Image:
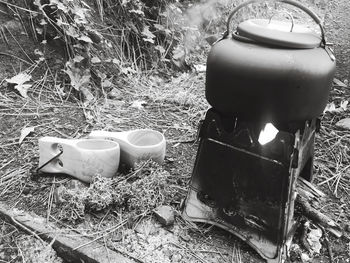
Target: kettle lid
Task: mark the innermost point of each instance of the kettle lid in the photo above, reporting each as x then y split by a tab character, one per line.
279	33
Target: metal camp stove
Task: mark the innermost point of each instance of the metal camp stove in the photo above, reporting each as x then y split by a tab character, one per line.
247	188
265	73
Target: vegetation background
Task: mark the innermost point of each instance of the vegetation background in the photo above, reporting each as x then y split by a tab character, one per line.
70	66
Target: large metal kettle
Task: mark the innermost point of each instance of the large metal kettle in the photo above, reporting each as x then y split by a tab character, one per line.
270	70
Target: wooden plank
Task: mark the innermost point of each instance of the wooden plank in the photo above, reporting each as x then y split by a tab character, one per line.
65	245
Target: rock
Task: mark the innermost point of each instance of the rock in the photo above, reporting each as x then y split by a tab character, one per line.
165	215
344	123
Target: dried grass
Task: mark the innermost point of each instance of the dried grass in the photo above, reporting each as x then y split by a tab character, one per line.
332	155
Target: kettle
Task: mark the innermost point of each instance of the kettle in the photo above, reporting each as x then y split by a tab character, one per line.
270	70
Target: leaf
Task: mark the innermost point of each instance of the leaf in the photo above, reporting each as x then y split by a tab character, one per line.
71	31
59	5
344	123
148	35
106	83
200	68
23	89
24	133
344	104
159	27
85	39
19	78
19	81
38	52
139	12
78	58
60	22
332	108
116	61
138	104
339	83
160	49
95	60
78	78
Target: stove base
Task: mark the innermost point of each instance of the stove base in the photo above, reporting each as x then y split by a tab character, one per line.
246	188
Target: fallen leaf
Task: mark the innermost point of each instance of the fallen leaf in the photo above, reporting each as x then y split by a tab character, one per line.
148	35
139	12
200	68
106	83
160	49
344	123
339	83
23	89
138	104
85	39
332	108
24	133
344	104
19	81
116	61
19	78
95	60
78	58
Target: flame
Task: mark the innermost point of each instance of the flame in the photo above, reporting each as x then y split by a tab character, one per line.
267	134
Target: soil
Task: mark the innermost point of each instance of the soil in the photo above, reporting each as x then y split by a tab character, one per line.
175	113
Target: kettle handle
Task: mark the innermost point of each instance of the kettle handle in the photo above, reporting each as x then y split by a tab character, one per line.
290	2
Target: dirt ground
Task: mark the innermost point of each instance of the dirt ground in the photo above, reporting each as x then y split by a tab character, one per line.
174	113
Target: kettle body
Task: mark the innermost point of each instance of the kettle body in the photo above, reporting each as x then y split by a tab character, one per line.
253	80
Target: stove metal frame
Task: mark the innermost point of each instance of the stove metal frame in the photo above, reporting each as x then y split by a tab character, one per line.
246	188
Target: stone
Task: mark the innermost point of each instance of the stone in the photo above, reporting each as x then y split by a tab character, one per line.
165	215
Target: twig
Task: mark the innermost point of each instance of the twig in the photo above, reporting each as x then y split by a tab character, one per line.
10	55
18	7
116	227
2	167
19	45
190	250
50	200
26	229
318	218
328	244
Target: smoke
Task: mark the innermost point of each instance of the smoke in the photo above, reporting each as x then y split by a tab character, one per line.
204	18
193	23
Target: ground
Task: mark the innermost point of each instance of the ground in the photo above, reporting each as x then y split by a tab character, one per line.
173	106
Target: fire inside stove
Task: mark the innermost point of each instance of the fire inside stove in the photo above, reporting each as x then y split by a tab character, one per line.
244	179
